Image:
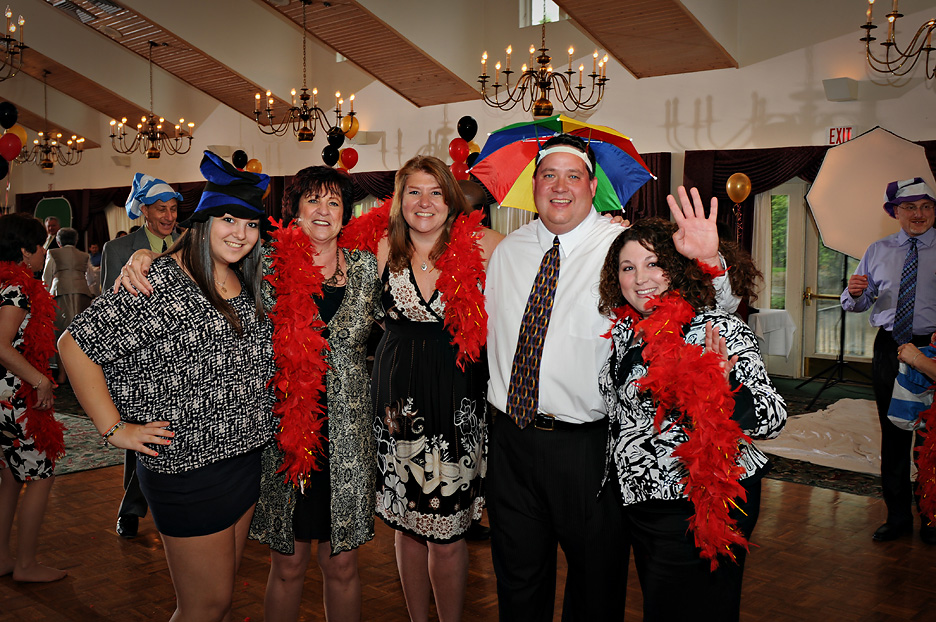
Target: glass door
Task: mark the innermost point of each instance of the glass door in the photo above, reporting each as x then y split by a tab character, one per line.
779	254
827	273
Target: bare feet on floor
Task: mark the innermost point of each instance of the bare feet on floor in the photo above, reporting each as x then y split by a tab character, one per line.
37	573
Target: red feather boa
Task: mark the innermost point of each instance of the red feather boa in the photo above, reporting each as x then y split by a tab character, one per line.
461	263
299	351
365	232
38	347
926	464
926	460
685	380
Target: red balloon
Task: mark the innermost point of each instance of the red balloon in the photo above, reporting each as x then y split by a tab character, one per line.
349	157
10	146
460	170
459	149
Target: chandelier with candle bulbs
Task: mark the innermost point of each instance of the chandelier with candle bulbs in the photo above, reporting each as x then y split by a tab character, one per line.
532	87
150	137
47	150
896	61
303	119
11	48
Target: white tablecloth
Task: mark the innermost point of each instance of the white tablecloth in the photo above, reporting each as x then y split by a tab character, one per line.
774	329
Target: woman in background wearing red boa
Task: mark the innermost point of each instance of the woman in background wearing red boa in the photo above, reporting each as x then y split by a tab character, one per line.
686	390
30	437
429	383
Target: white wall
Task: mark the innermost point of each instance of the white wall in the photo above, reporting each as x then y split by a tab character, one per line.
774	99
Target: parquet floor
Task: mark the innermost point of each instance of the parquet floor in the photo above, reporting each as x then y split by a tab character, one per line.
814	560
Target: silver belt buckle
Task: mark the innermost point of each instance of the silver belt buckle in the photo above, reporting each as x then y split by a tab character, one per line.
543	421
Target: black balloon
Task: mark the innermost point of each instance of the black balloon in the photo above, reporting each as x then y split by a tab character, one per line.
335	137
8	115
4	168
239	159
467	128
471	159
330	155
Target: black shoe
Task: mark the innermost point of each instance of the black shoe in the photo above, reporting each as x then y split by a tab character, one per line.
477	532
127	526
889	531
928	534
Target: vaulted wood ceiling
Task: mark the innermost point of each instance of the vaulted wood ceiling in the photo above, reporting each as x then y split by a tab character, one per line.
648	37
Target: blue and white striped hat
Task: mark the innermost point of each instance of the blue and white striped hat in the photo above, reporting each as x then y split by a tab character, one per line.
147	190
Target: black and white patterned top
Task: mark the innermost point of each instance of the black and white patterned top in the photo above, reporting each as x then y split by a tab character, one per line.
173	357
13	295
643	457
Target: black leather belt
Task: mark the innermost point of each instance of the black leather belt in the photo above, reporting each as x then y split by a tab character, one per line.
543	421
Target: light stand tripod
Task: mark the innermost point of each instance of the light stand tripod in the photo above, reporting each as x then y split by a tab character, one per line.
836	371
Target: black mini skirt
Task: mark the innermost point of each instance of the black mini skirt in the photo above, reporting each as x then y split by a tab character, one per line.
205	500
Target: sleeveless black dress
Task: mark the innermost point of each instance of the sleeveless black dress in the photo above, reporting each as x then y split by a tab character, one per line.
430	419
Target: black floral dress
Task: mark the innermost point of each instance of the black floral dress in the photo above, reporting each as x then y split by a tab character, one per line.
429	421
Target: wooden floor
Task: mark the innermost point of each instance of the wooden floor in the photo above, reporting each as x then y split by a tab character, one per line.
814	561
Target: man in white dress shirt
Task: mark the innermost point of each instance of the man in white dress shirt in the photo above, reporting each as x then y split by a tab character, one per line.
544	481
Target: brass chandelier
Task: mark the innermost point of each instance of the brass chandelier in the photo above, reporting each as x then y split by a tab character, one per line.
150	138
302	119
533	85
47	150
896	61
11	49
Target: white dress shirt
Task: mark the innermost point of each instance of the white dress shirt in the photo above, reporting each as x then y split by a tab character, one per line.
573	349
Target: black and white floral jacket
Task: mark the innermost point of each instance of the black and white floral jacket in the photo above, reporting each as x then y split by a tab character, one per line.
642	456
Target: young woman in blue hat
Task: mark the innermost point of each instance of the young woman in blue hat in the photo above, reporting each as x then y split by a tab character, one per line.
181	378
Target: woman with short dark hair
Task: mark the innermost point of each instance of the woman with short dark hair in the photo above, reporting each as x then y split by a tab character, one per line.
318	480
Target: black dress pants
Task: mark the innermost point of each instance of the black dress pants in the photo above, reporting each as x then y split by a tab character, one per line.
677	583
896	444
544	490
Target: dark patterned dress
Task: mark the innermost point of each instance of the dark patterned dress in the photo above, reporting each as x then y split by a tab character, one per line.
18	449
430	419
349	474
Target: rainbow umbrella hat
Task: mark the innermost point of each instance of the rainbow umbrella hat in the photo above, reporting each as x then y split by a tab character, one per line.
505	164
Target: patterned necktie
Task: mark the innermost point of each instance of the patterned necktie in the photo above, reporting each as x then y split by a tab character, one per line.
523	392
903	321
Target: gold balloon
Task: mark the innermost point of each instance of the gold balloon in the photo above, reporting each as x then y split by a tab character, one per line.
474	147
20	131
350	126
266	192
738	187
254	166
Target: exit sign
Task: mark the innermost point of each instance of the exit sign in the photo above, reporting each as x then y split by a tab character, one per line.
839	135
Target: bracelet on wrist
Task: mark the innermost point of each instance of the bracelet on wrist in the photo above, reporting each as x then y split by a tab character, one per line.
106	436
38	384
